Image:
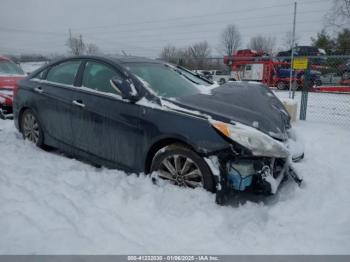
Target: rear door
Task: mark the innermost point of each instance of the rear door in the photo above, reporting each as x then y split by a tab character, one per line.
54	99
104	124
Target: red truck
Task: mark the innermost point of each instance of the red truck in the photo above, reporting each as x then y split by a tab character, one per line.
10	73
250	65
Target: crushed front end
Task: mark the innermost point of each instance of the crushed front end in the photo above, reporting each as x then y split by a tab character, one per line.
255	162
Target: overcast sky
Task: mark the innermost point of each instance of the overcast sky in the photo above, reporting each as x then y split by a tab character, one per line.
143	27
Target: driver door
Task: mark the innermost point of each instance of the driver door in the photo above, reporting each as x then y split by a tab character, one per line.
103	124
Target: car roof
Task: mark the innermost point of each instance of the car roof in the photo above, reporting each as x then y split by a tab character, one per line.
119	59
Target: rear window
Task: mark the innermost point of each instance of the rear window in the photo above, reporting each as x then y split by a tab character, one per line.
10	68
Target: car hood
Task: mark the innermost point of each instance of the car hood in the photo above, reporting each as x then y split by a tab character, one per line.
251	104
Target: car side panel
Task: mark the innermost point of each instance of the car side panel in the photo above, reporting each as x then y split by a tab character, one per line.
107	127
52	106
197	132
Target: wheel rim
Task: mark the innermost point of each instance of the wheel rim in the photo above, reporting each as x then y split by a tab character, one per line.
181	170
280	86
31	128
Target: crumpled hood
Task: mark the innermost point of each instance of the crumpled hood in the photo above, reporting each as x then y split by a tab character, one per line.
252	104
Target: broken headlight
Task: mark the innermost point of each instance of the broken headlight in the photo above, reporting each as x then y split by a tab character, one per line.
257	142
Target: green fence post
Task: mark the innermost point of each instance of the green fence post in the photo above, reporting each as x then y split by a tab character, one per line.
304	94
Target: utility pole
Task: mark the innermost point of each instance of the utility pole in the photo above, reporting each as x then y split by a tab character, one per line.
292	53
70	35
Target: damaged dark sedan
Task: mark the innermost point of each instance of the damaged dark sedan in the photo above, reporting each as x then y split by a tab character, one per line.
140	115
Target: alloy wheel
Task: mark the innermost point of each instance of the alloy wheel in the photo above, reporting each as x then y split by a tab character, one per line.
181	170
30	128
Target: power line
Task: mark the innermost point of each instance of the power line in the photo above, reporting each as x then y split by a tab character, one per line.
196	16
195	31
183	17
251	19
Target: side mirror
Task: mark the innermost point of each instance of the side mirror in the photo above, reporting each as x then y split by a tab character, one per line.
126	88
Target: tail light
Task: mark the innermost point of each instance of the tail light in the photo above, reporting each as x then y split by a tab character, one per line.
8	101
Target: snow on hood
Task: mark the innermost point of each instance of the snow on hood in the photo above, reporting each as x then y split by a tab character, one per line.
254	106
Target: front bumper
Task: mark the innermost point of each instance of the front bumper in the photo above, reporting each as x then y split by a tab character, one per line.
6	101
6	111
258	175
295	145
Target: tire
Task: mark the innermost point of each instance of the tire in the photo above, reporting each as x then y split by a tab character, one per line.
346	75
190	171
318	82
281	86
222	81
31	129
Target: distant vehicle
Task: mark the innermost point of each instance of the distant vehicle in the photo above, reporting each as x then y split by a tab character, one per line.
139	115
219	76
344	69
10	73
318	61
303	51
249	72
207	74
197	79
249	65
331	78
283	75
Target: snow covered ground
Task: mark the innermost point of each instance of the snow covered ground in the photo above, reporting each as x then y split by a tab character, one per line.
51	204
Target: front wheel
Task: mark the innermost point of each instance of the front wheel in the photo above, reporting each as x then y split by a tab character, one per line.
31	129
222	81
182	167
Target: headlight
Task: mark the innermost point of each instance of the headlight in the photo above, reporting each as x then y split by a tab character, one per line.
259	143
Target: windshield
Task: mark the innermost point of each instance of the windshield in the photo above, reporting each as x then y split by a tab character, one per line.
163	80
192	77
10	68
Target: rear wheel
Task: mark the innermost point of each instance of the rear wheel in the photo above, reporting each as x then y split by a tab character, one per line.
182	167
281	86
31	129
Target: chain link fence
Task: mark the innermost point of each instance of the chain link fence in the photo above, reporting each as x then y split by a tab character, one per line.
325	88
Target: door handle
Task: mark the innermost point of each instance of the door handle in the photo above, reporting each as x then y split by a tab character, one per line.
78	103
38	89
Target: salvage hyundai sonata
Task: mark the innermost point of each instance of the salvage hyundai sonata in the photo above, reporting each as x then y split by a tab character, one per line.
140	115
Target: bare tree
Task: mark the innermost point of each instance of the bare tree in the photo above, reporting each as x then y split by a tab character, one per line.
169	53
287	40
230	40
262	43
198	54
339	15
92	49
76	45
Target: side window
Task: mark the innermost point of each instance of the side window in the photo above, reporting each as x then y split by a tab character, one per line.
64	73
97	76
40	75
